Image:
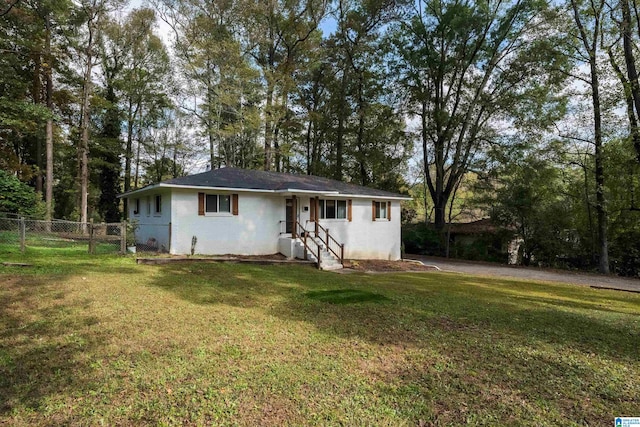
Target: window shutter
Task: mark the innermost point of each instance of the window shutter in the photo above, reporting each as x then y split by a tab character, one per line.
349	211
389	211
312	210
234	204
373	210
201	204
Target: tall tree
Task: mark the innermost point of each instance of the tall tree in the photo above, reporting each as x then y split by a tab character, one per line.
588	19
626	22
136	70
467	68
91	13
218	85
278	32
22	41
357	41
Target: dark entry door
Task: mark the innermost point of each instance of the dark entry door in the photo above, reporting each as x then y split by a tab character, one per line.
289	216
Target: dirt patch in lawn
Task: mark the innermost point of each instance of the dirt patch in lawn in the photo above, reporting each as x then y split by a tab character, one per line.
382	265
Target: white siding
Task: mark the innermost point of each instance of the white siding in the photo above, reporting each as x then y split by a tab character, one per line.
152	226
254	231
364	238
256	228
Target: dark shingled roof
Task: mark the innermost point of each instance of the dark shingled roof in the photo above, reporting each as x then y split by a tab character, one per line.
274	181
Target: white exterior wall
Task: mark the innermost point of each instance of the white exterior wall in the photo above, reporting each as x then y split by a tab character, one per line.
364	238
152	225
254	231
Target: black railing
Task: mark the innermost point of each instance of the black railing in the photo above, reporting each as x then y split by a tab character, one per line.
308	241
331	243
307	236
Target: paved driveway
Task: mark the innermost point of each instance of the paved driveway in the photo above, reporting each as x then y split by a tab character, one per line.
532	273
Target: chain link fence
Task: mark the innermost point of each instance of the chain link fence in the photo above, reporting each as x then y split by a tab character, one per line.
148	238
21	233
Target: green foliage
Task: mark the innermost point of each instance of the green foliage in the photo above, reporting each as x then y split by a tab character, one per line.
16	197
421	238
464	68
530	197
623	191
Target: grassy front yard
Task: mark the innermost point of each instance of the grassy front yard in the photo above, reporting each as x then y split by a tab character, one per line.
101	340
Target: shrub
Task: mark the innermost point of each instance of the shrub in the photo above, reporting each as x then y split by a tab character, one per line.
420	238
18	198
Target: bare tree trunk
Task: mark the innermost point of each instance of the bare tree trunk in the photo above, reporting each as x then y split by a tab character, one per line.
591	45
632	74
451	200
84	141
268	127
364	178
49	132
308	144
36	90
128	153
337	174
137	173
599	161
425	158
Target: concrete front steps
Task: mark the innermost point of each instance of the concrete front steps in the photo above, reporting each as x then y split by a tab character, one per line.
328	260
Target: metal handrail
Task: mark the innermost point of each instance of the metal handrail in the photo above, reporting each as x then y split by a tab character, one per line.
301	232
326	242
304	236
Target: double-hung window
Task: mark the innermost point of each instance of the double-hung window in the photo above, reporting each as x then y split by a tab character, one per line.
136	206
218	203
381	210
158	204
210	204
333	209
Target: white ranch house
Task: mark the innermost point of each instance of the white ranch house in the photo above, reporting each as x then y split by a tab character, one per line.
249	212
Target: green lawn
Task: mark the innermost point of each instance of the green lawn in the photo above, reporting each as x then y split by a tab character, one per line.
92	340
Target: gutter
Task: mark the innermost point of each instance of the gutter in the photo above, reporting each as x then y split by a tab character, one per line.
254	190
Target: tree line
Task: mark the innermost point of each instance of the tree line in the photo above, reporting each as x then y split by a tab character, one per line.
536	102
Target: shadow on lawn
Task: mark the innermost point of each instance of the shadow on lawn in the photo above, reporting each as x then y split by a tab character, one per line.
43	344
412	308
345	296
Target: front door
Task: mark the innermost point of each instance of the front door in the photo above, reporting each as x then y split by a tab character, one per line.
289	216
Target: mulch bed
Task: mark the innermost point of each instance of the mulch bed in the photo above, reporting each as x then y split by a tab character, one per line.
241	259
381	265
355	265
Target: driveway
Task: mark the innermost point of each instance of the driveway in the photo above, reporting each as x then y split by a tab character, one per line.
530	273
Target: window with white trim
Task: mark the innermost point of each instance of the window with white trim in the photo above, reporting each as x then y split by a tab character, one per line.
381	210
136	206
158	204
333	209
218	203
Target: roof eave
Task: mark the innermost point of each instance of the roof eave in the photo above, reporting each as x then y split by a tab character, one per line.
254	190
139	190
380	196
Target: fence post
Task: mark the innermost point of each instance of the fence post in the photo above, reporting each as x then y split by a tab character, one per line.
123	238
23	234
91	242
